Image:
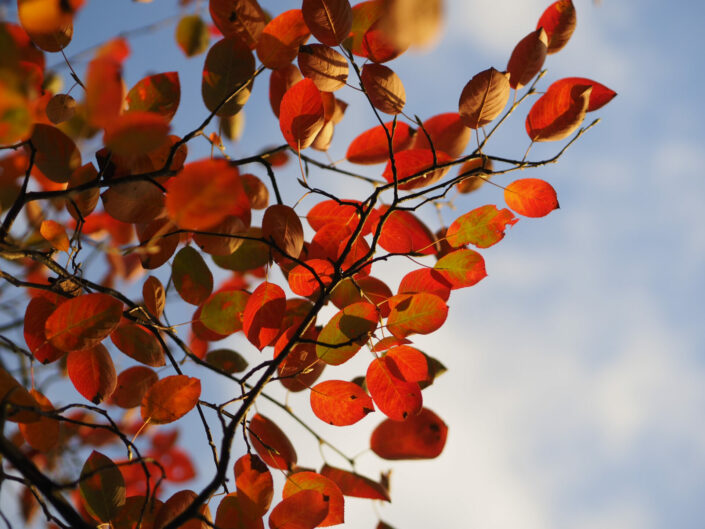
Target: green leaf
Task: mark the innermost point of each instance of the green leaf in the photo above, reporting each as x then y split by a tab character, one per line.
102	487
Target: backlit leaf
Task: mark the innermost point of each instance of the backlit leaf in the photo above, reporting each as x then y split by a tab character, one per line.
227	360
102	487
372	146
479	170
421	436
272	445
368	289
404	233
55	233
413	22
159	93
243	19
384	88
559	21
330	21
331	492
282	226
304	510
599	97
527	58
263	314
92	373
280	81
461	268
170	399
192	35
36	314
425	280
154	296
417	162
251	254
397	398
229	66
327	68
178	503
104	91
531	197
351	327
133	202
158	242
280	40
41	435
223	311
232	514
340	403
407	363
49	23
484	97
447	132
204	193
83	322
132	384
483	227
12	392
420	313
254	485
304	282
379	46
558	112
138	343
57	155
192	278
136	133
301	114
352	484
330	211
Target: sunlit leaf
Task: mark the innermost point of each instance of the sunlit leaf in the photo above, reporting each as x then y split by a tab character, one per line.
83	322
92	373
397	398
192	278
272	445
425	280
136	133
558	112
138	343
282	226
243	19
306	280
527	58
263	314
483	227
170	398
177	504
368	289
404	233
372	146
346	332
340	403
331	493
352	484
407	363
104	91
301	114
36	314
599	96
417	162
384	88
558	20
280	40
421	436
324	66
48	22
479	170
232	513
229	67
420	313
304	510
55	234
254	485
484	97
447	132
132	384
102	487
192	35
159	93
154	296
280	81
461	268
330	21
531	197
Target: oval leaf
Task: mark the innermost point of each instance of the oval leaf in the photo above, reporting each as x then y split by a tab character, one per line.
352	484
170	399
192	278
330	21
261	320
92	373
483	227
272	445
527	58
422	436
398	399
559	21
484	98
227	77
531	197
346	333
384	88
280	40
331	493
420	313
138	343
304	510
559	112
372	146
340	403
301	114
102	487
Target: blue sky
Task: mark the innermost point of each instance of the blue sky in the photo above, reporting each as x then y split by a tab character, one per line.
576	383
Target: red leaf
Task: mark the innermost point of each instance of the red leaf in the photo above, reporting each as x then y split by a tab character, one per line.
484	98
425	280
170	398
527	58
331	493
398	399
133	202
447	132
351	326
340	403
304	510
263	314
243	19
280	40
531	197
364	15
559	21
384	88
38	310
159	93
559	112
254	485
407	363
421	436
92	373
305	283
232	513
301	114
229	65
483	227
404	233
204	193
599	97
330	211
282	226
192	278
83	322
420	313
57	156
41	435
461	268
355	485
329	20
138	343
136	133
272	445
416	163
132	384
372	146
103	91
280	81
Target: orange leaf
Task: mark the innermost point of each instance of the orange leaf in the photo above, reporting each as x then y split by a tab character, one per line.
324	66
272	445
243	19
170	399
138	343
364	15
384	88
379	46
558	113
178	503
331	493
136	133
36	314
280	40
397	398
159	93
330	21
421	436
92	373
404	233
204	193
559	21
425	280
527	58
407	363
479	170
447	132
232	513
48	22
301	114
340	403
352	327
11	392
484	98
483	227
104	91
154	296
83	322
192	278
280	81
372	146
254	485
599	97
55	233
531	197
420	313
329	211
461	268
42	435
263	314
304	283
355	485
304	510
414	168
132	384
229	65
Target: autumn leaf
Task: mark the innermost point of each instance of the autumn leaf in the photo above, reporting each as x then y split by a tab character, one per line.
384	88
170	398
558	20
92	373
271	443
301	114
313	481
483	227
531	197
102	487
484	97
422	436
340	403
